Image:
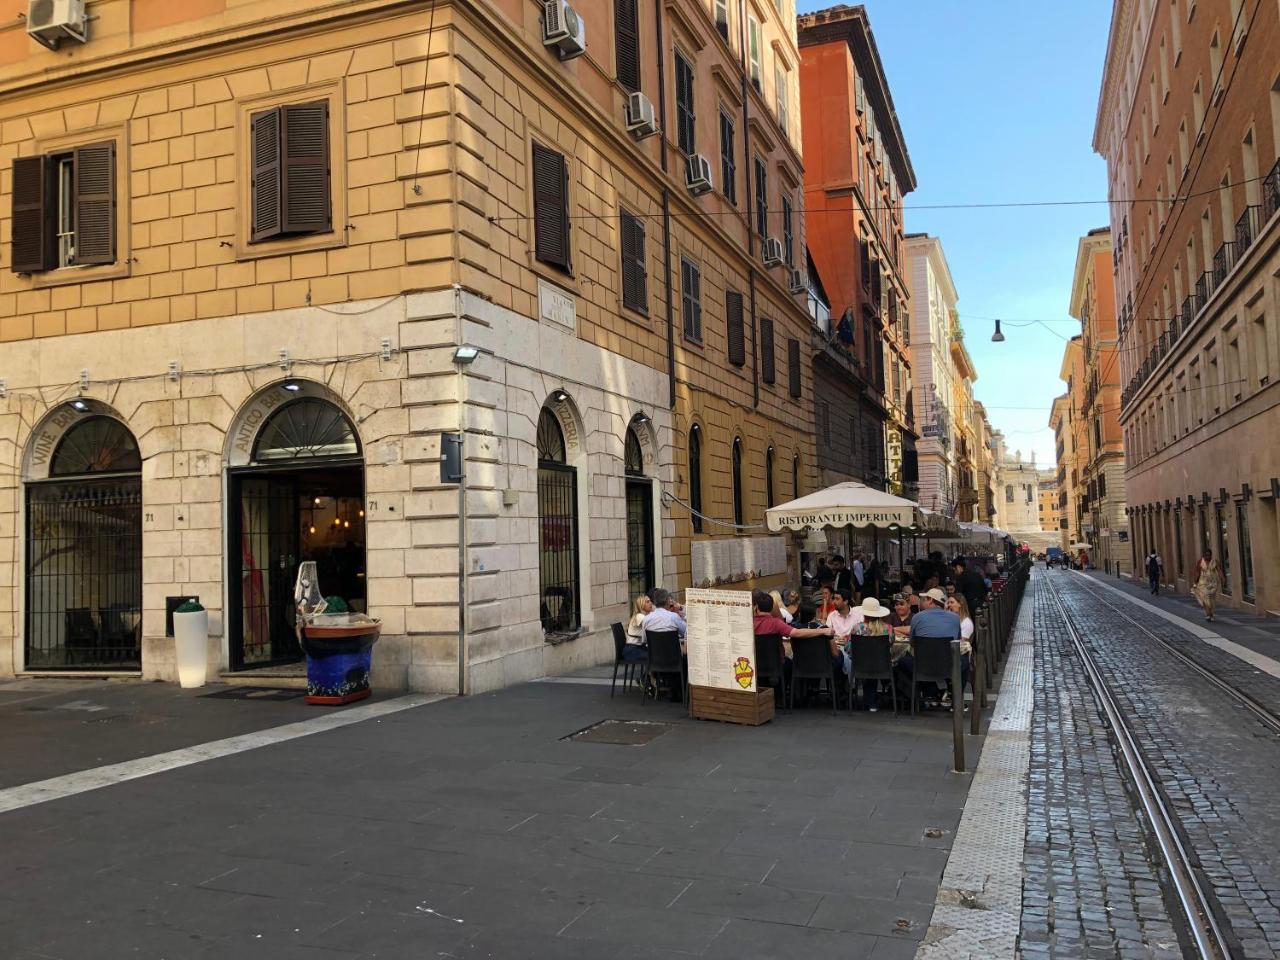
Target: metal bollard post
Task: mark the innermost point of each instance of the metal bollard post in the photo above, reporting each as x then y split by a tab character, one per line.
957	708
976	670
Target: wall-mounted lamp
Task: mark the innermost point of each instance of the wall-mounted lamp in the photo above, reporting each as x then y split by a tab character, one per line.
642	417
559	396
291	387
79	405
465	354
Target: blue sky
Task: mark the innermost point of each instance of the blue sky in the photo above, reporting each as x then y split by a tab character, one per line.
997	102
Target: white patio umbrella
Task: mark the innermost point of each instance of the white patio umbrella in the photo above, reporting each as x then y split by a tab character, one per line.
842	505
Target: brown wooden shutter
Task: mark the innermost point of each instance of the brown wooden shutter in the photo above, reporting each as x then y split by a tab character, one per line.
626	25
550	207
264	186
793	366
737	335
305	154
767	364
32	233
635	291
95	219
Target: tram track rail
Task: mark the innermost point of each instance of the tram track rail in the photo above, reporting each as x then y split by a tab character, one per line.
1191	890
1265	716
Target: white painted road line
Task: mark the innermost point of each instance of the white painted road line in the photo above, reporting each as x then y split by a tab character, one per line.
68	785
1199	631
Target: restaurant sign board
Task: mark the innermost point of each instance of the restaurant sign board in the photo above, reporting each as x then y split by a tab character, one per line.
721	639
841	517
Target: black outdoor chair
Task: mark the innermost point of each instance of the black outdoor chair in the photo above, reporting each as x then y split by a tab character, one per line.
628	666
119	632
931	663
872	659
771	667
665	659
81	643
811	660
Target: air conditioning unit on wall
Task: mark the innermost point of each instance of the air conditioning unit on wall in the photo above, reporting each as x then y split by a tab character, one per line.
563	29
771	251
641	121
697	174
49	22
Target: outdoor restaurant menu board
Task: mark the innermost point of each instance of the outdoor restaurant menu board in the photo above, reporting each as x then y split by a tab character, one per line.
721	639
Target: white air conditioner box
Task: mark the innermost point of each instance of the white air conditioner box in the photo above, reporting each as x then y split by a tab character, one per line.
697	174
641	121
563	29
49	22
771	251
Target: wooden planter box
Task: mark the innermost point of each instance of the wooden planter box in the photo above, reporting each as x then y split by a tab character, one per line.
731	706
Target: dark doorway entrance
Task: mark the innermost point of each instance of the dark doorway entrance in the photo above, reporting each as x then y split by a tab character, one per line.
301	499
84	553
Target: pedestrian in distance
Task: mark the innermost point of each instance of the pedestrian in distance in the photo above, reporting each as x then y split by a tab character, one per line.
1155	569
1208	583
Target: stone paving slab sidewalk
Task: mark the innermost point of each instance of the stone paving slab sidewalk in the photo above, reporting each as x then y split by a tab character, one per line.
472	828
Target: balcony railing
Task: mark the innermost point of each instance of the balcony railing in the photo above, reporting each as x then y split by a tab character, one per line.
1248	228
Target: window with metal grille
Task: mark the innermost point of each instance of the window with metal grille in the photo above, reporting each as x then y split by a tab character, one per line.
793	366
788	237
626	29
728	162
691	299
762	198
695	476
738	507
64	209
551	207
289	180
686	118
557	529
767	365
635	284
735	328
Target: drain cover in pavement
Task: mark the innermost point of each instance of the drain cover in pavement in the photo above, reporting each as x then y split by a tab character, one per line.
627	733
256	693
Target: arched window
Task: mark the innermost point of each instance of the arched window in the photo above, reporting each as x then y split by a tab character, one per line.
309	428
768	477
84	552
559	607
96	445
737	481
640	532
695	476
1008	493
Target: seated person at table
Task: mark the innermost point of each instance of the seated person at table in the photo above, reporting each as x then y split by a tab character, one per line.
899	618
933	620
766	622
960	607
806	616
667	614
793	605
913	601
779	607
636	647
874	624
842	620
827	601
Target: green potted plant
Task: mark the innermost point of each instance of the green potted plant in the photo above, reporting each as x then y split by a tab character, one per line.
339	649
191	643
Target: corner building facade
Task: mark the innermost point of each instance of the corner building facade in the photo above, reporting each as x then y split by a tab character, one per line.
1189	115
245	254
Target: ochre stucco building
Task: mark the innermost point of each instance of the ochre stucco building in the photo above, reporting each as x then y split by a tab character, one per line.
248	241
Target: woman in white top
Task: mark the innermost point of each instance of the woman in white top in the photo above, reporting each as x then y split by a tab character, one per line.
640	609
957	605
779	607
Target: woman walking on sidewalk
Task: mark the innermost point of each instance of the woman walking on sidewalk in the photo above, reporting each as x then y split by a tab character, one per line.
1208	583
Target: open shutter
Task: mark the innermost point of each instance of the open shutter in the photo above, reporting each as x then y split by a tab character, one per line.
305	154
635	293
767	364
264	186
95	221
32	235
550	207
737	336
626	24
793	366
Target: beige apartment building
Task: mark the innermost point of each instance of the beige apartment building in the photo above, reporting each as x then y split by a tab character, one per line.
268	262
1189	115
1095	392
1050	518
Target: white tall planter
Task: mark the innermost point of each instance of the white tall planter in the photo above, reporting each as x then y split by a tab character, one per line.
191	638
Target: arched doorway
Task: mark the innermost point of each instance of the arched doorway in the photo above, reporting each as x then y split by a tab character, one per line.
84	544
558	587
640	535
296	492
